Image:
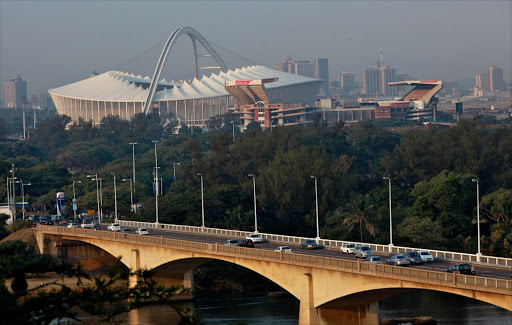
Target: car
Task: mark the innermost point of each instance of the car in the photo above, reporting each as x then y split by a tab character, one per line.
255	238
114	227
231	242
63	222
142	231
73	224
87	225
399	260
348	248
246	243
373	259
50	222
284	249
462	268
310	244
126	230
426	256
413	257
96	227
362	251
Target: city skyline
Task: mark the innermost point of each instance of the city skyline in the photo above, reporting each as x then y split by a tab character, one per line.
54	43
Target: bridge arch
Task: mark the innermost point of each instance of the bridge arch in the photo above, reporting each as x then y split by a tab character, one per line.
195	37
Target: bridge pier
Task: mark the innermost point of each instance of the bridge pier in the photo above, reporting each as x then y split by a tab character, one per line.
364	314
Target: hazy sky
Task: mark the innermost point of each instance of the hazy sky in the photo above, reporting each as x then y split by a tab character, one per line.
52	43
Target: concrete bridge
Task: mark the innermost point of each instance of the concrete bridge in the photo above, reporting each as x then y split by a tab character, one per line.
330	290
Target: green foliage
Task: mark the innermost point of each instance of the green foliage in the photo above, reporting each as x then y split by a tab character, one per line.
20	224
105	298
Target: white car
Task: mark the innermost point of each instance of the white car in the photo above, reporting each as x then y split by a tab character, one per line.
142	231
348	248
284	249
88	225
255	238
426	256
73	224
114	227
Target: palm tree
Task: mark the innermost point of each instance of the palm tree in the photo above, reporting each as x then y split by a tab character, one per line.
360	212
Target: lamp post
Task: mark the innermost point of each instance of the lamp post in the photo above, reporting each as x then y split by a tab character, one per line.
202	200
233	131
478	215
174	167
115	197
133	160
74	198
255	214
131	192
156	179
390	215
23	194
316	199
13	194
95	178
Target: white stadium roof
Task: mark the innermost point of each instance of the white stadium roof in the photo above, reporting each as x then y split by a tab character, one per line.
122	86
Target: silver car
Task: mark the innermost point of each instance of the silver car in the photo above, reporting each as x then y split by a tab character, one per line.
426	256
348	248
399	260
374	259
231	242
284	249
363	251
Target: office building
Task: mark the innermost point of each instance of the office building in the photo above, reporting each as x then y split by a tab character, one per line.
482	81
15	92
496	81
299	67
322	72
377	77
348	82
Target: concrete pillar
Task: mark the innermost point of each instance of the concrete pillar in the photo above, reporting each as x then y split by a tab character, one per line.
307	312
134	266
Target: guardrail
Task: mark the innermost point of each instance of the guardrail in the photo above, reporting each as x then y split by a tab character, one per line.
381	270
455	256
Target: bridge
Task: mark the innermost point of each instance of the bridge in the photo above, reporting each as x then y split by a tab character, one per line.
331	290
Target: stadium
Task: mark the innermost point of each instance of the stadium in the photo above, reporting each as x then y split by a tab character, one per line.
194	101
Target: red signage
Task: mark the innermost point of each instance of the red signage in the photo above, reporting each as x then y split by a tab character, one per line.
406	104
429	81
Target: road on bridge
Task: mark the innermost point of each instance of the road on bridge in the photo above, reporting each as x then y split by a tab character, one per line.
441	266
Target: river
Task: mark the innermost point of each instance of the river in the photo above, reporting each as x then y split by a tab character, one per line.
260	310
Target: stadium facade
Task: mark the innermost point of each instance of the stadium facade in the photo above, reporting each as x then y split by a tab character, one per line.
192	102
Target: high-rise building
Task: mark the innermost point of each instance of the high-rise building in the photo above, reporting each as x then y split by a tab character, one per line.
496	81
348	82
322	72
299	67
15	91
377	77
482	81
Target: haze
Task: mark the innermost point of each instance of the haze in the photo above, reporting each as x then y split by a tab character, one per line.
51	44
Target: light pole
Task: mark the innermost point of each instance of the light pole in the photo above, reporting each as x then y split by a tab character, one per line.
115	197
478	215
131	191
390	216
97	193
23	194
13	194
156	177
316	196
174	167
74	198
233	131
133	160
255	215
202	200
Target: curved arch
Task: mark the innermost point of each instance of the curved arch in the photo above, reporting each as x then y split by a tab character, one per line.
194	36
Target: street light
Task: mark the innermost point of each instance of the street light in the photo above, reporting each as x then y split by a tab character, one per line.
133	159
478	215
202	200
74	198
390	216
23	194
115	197
95	178
174	167
255	215
156	177
316	196
131	191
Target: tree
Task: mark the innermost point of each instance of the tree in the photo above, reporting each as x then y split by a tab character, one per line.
360	212
105	298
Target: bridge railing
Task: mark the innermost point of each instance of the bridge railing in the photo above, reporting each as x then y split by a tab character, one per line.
455	256
389	271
